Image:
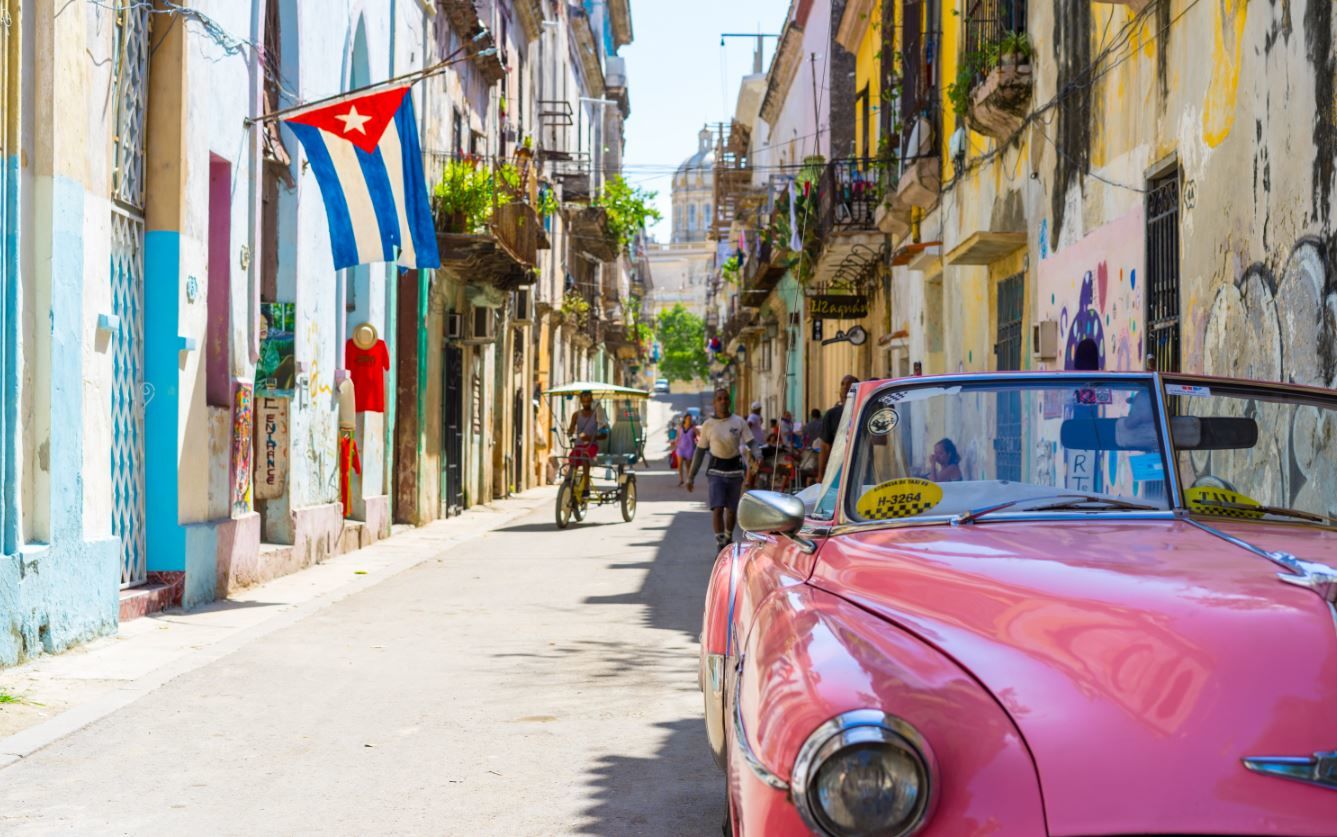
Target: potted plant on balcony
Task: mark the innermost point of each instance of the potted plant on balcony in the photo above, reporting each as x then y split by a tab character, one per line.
729	270
1014	50
467	192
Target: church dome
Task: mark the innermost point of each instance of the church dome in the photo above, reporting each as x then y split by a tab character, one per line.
702	161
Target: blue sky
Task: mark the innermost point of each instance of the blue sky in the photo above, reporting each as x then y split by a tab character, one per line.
679	77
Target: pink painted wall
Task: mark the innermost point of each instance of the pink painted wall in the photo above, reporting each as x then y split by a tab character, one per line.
1094	288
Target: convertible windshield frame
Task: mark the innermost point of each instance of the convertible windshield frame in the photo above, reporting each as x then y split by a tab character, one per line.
1152	382
1239	388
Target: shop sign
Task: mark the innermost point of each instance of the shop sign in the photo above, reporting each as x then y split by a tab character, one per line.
838	307
271	430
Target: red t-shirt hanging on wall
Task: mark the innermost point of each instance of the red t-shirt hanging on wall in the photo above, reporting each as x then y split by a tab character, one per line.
367	369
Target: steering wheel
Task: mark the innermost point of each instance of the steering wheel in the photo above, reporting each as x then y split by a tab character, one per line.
1211	481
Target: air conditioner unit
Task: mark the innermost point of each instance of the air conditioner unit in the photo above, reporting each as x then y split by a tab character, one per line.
524	305
483	325
1044	339
454	326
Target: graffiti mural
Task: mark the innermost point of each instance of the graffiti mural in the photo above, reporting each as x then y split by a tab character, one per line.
1278	326
1091	290
243	427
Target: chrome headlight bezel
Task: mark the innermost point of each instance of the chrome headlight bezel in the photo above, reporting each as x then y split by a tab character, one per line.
855	729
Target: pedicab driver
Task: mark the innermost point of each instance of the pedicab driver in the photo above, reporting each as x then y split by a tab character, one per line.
728	439
588	425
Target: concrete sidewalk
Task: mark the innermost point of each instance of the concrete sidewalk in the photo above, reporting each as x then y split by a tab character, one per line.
63	693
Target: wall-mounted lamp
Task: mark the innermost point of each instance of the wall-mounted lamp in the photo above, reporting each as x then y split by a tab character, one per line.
856	336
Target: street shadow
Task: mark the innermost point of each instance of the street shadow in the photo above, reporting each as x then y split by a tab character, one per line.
224	605
677	791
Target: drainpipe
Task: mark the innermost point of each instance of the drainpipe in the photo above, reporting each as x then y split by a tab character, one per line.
253	189
9	278
423	287
391	340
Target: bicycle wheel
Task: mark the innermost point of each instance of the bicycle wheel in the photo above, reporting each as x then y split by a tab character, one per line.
629	499
580	503
564	504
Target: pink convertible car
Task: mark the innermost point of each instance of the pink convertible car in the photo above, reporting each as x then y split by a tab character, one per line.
1039	604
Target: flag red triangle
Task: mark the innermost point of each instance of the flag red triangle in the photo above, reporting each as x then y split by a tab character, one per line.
359	119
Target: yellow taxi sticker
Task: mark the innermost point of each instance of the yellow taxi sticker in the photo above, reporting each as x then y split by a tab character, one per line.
1221	501
905	497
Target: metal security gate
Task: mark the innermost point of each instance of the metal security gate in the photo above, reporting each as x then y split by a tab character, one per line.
129	390
1163	272
1007	438
453	429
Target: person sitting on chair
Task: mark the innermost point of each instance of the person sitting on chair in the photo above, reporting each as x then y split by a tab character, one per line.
946	462
588	425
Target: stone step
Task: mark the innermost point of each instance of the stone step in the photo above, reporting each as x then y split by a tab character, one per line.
153	597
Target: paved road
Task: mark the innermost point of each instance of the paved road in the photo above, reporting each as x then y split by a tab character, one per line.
529	682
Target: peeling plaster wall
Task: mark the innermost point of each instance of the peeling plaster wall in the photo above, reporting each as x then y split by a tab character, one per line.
58	587
1214	87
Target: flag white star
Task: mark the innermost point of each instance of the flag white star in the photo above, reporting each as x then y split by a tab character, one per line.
353	121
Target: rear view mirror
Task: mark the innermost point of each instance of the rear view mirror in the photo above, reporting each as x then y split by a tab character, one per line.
1213	433
770	513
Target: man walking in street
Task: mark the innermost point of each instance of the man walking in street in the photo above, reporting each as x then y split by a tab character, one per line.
831	423
727	438
757	424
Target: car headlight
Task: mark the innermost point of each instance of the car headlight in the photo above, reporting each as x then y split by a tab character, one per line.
864	773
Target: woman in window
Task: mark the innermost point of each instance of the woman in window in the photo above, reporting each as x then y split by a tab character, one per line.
946	462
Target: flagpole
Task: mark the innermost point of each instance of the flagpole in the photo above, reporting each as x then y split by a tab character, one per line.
416	75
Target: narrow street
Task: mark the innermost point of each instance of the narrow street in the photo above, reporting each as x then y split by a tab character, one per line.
530	681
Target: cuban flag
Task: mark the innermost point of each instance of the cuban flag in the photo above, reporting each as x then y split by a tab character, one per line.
364	152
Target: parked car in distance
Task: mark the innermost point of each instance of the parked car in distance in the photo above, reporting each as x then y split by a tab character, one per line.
1038	603
662	385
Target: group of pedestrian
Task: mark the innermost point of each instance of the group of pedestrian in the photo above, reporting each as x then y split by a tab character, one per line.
736	444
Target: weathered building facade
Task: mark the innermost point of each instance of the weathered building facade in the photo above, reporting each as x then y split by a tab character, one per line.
196	400
1078	184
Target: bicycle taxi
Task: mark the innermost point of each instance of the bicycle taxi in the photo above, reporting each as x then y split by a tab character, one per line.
597	470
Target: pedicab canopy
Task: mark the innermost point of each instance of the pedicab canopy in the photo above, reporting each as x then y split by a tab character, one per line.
597	389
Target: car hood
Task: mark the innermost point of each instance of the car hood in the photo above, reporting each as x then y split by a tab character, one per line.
1141	660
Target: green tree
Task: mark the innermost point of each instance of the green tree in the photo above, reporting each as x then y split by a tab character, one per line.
628	207
682	341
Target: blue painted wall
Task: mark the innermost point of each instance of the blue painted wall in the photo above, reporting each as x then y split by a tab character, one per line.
162	354
9	377
56	595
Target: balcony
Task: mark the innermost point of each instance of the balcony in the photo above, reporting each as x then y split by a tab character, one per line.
764	265
463	18
849	193
734	194
994	82
487	229
590	233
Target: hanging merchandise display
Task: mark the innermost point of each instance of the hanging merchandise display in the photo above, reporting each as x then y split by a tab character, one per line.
349	463
367	359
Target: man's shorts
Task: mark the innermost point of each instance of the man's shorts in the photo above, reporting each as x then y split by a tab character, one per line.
724	492
584	453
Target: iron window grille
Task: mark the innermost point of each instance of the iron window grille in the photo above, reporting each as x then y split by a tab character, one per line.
1163	272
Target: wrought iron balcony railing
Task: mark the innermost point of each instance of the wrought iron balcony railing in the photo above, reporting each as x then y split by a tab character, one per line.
848	196
989	22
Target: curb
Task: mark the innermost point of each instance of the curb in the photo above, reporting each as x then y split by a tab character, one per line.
20	745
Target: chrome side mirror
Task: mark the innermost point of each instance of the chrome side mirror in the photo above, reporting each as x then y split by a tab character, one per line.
770	513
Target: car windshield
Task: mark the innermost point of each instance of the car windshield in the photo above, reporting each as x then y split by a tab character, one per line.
1252	453
1060	444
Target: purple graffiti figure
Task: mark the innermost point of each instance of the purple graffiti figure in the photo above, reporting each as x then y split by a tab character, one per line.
1085	326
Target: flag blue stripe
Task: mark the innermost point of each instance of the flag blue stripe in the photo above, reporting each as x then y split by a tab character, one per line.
416	205
342	242
382	199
